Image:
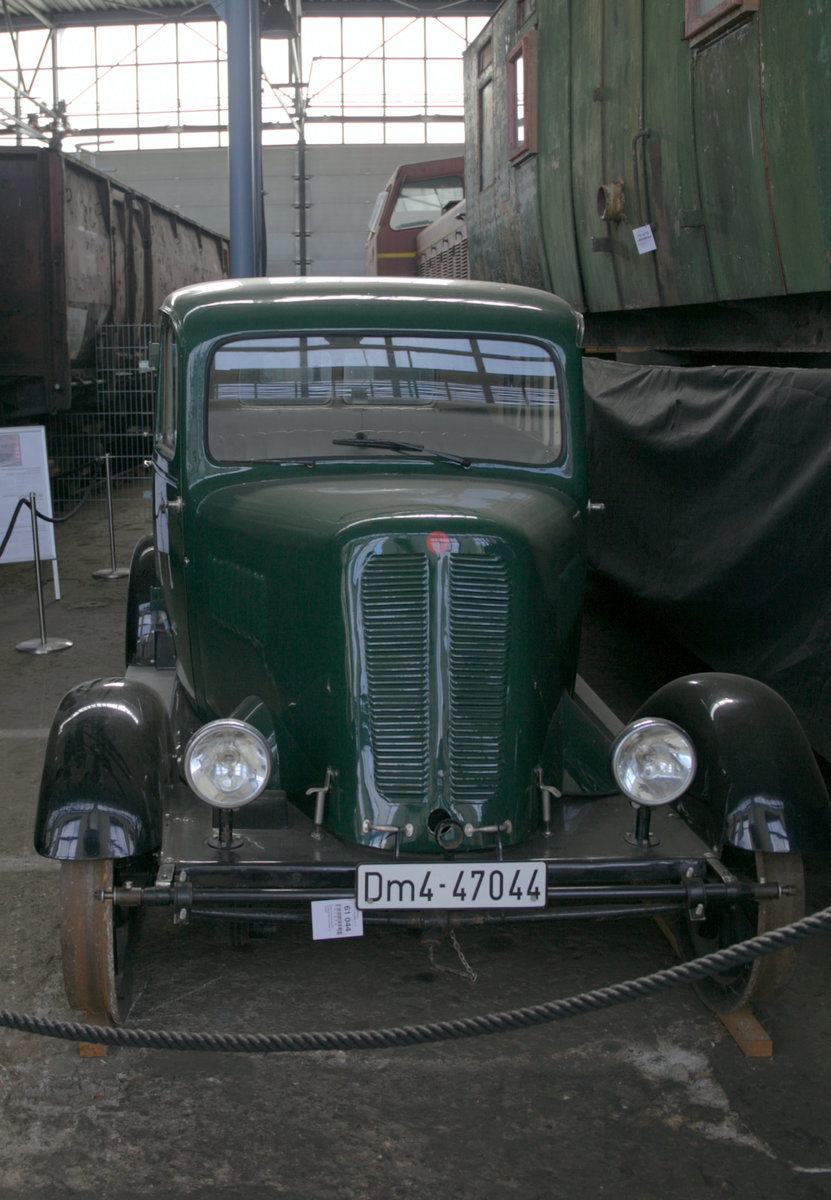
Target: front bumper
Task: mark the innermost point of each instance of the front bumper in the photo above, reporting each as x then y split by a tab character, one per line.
594	868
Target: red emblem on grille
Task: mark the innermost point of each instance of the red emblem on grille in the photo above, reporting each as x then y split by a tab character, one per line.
438	543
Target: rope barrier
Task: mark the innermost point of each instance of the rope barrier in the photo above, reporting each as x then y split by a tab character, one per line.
24	500
94	479
440	1031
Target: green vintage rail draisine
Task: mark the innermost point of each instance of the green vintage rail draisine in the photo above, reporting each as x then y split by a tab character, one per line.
351	648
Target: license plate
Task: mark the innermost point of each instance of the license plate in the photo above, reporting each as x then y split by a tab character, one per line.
450	885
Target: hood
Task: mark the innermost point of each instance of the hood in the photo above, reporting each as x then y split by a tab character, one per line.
385	624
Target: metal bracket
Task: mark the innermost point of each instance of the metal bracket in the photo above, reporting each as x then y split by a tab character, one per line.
642	835
715	863
497	830
320	803
165	875
696	897
182	899
547	790
395	831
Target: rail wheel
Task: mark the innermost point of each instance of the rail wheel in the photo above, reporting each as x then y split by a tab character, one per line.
94	937
766	977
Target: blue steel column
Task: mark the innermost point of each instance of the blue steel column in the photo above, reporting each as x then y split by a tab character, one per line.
244	137
257	146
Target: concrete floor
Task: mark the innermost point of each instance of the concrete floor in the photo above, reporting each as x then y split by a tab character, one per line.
644	1101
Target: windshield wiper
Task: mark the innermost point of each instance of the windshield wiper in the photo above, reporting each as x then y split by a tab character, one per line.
362	439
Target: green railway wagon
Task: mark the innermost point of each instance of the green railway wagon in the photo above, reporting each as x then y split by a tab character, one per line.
664	165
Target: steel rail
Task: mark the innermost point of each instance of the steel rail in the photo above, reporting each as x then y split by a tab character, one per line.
439	1031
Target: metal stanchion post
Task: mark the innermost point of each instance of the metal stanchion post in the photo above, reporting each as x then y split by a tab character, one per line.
114	571
45	645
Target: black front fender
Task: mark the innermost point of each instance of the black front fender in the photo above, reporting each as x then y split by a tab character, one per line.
758	786
143	579
109	770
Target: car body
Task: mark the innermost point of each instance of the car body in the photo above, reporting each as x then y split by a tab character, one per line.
352	645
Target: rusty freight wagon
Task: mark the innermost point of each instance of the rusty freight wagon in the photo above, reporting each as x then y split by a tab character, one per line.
80	250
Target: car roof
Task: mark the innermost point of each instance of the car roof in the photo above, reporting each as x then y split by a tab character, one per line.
208	310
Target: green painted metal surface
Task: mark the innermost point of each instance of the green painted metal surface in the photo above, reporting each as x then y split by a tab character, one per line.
388	663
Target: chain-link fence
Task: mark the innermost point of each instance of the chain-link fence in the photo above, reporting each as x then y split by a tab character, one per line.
116	419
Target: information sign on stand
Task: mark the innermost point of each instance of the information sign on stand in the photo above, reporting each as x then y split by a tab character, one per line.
24	469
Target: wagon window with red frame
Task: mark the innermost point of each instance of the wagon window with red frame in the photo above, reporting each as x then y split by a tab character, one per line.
705	17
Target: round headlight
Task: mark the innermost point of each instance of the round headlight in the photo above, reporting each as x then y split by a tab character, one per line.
227	763
653	761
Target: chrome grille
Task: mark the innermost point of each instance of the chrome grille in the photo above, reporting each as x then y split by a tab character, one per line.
479	645
394	604
436	704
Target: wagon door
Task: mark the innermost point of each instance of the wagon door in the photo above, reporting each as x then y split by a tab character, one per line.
730	139
34	364
610	198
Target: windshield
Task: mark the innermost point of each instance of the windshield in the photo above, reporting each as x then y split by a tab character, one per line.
420	202
300	396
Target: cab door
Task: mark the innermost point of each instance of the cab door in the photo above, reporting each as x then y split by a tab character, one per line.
168	500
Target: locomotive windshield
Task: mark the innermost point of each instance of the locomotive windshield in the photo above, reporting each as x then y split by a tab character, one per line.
421	201
494	399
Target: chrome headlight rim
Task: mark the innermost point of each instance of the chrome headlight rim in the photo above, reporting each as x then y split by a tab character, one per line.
683	751
239	733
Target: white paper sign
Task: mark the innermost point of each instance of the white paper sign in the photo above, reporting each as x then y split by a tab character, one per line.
336	919
644	239
24	469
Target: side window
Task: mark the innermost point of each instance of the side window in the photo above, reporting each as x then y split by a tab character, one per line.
486	135
168	383
522	97
375	219
485	115
706	17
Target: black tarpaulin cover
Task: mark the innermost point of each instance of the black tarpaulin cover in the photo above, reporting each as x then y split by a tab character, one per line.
717	487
